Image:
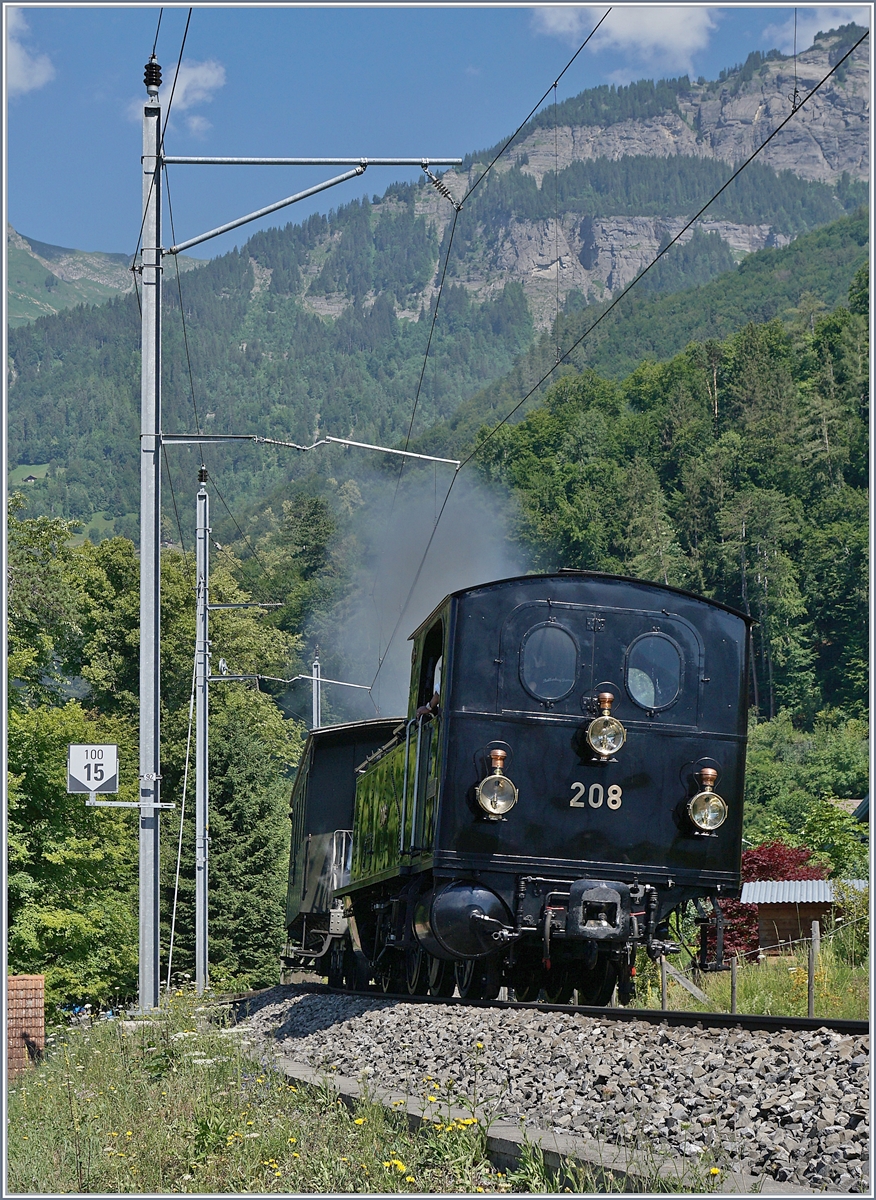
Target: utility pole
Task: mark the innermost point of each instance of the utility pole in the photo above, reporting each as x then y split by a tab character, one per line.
150	544
317	692
151	442
202	683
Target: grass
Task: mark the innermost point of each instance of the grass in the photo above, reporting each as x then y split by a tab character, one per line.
178	1104
777	986
18	474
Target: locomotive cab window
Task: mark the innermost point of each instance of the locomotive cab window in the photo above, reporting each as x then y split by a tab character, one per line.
548	661
431	664
654	671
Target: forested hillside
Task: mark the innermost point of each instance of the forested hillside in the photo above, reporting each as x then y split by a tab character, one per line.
710	433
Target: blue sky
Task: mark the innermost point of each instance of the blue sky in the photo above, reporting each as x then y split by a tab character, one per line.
291	80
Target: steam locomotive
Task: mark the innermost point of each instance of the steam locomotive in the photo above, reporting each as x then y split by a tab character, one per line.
568	777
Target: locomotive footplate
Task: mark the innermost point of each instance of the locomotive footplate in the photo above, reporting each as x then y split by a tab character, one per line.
596	910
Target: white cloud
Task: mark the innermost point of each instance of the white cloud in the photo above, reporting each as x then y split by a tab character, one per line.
25	72
814	20
197	125
662	38
197	84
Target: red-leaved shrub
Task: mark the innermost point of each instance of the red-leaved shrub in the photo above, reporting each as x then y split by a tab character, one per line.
773	860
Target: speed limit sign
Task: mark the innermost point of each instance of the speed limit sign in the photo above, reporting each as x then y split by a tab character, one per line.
92	768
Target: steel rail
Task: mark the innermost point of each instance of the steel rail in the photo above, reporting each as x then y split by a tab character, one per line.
652	1016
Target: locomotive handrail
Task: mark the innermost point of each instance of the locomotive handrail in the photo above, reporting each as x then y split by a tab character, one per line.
416	805
404	812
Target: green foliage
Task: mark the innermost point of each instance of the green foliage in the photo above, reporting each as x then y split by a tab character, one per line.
765	286
790	770
732	469
72	870
72	889
637	185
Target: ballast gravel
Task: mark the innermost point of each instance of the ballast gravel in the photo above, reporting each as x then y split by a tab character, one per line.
793	1106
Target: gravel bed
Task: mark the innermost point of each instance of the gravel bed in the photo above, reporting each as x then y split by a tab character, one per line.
794	1106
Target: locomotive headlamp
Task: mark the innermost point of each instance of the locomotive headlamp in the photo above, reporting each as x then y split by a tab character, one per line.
496	794
706	809
605	735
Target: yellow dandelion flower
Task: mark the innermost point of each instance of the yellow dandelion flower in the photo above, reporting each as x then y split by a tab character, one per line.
359	1120
249	1122
386	1164
432	1099
410	1179
295	1155
345	1160
114	1134
292	1141
129	1133
278	1174
479	1046
291	1088
479	1189
715	1171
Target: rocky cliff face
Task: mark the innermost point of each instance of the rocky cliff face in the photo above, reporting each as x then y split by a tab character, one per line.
728	121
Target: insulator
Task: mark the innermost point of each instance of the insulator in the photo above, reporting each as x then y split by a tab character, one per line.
152	75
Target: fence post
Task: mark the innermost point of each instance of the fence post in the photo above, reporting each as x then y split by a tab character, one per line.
663	984
814	947
734	962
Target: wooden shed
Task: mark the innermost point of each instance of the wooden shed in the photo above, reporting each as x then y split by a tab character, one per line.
786	908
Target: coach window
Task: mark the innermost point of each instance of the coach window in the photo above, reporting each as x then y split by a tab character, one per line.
654	671
430	666
548	662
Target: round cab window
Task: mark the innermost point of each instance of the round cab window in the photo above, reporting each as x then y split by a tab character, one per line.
548	662
654	671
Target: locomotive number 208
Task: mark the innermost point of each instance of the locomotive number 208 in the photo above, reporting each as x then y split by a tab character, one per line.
596	794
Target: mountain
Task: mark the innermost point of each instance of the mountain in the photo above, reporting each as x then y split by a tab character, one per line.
44	279
321	326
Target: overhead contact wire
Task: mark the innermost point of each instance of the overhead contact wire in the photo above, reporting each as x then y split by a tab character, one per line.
600	318
535	108
657	258
458	207
163	131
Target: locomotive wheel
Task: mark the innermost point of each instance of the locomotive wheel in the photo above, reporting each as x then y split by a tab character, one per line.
386	975
527	991
596	985
416	971
336	964
355	969
558	987
441	978
468	979
477	979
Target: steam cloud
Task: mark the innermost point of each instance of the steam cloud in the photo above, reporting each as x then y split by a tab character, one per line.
470	547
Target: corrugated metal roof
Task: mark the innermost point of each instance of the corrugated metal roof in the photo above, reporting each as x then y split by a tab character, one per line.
793	891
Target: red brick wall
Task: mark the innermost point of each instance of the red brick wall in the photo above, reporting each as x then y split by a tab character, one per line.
25	1022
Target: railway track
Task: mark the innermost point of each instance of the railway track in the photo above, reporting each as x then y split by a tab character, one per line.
652	1016
678	1017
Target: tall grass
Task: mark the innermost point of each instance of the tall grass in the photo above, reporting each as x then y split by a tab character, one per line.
177	1103
777	986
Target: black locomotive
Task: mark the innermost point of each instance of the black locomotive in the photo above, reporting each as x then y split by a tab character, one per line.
569	776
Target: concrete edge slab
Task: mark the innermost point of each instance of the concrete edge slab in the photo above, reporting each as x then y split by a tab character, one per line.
505	1140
